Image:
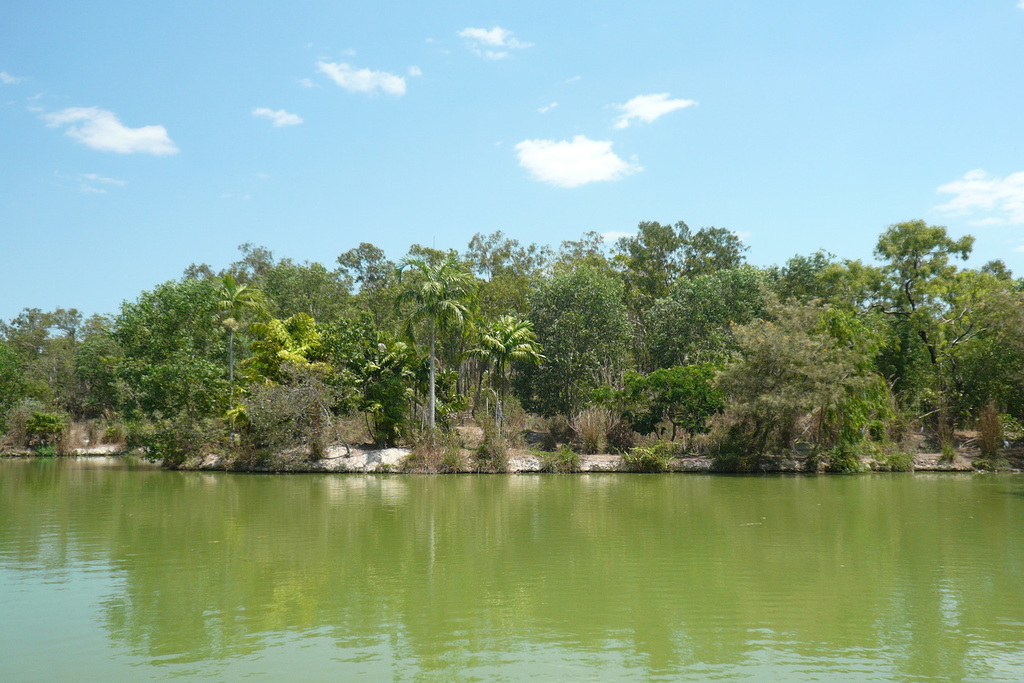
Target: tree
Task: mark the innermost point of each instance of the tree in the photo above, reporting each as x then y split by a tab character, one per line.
237	300
927	298
581	322
684	395
12	382
807	361
693	325
505	342
713	249
439	294
173	345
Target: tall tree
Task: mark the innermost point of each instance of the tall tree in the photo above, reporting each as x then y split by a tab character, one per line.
503	343
439	295
236	301
582	323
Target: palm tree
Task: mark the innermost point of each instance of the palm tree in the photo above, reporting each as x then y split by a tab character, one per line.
506	341
439	296
235	302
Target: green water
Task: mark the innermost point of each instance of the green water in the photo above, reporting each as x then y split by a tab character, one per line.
110	571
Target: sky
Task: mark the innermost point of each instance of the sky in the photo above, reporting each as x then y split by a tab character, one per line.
137	138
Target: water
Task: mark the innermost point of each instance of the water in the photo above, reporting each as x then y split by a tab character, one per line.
113	571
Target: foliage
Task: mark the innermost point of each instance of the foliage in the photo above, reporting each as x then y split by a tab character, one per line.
296	413
12	382
563	461
693	325
990	431
492	453
503	344
808	361
384	373
893	461
174	352
656	457
175	442
685	396
44	429
295	340
581	322
591	426
439	295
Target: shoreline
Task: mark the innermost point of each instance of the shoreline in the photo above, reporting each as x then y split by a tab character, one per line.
367	460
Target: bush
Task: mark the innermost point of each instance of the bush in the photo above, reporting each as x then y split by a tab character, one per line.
174	442
492	453
844	459
290	415
442	454
654	458
895	461
991	432
621	437
591	427
45	429
563	461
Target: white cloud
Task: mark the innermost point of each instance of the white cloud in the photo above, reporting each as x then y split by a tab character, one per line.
573	79
93	177
647	108
8	79
977	192
308	83
415	71
546	108
492	43
362	80
613	236
279	117
103	131
573	163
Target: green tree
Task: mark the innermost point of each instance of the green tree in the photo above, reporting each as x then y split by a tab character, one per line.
693	325
928	298
12	381
713	249
236	302
506	342
582	324
438	295
174	352
685	396
807	361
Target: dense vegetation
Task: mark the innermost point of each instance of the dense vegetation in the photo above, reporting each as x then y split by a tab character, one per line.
668	342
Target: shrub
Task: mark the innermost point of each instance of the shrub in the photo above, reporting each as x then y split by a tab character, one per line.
174	442
443	454
492	453
45	429
294	414
654	458
591	427
563	461
895	461
621	437
844	459
991	432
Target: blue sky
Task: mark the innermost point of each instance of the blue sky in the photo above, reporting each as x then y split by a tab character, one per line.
137	138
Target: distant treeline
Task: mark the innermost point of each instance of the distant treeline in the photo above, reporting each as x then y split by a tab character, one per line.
666	337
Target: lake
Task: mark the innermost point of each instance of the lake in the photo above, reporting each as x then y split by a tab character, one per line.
116	570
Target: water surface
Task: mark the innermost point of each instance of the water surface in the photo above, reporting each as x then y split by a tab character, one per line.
116	571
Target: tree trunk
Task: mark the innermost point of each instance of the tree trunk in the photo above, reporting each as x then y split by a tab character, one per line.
231	363
432	382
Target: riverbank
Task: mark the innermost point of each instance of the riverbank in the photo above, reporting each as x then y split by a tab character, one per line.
368	460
